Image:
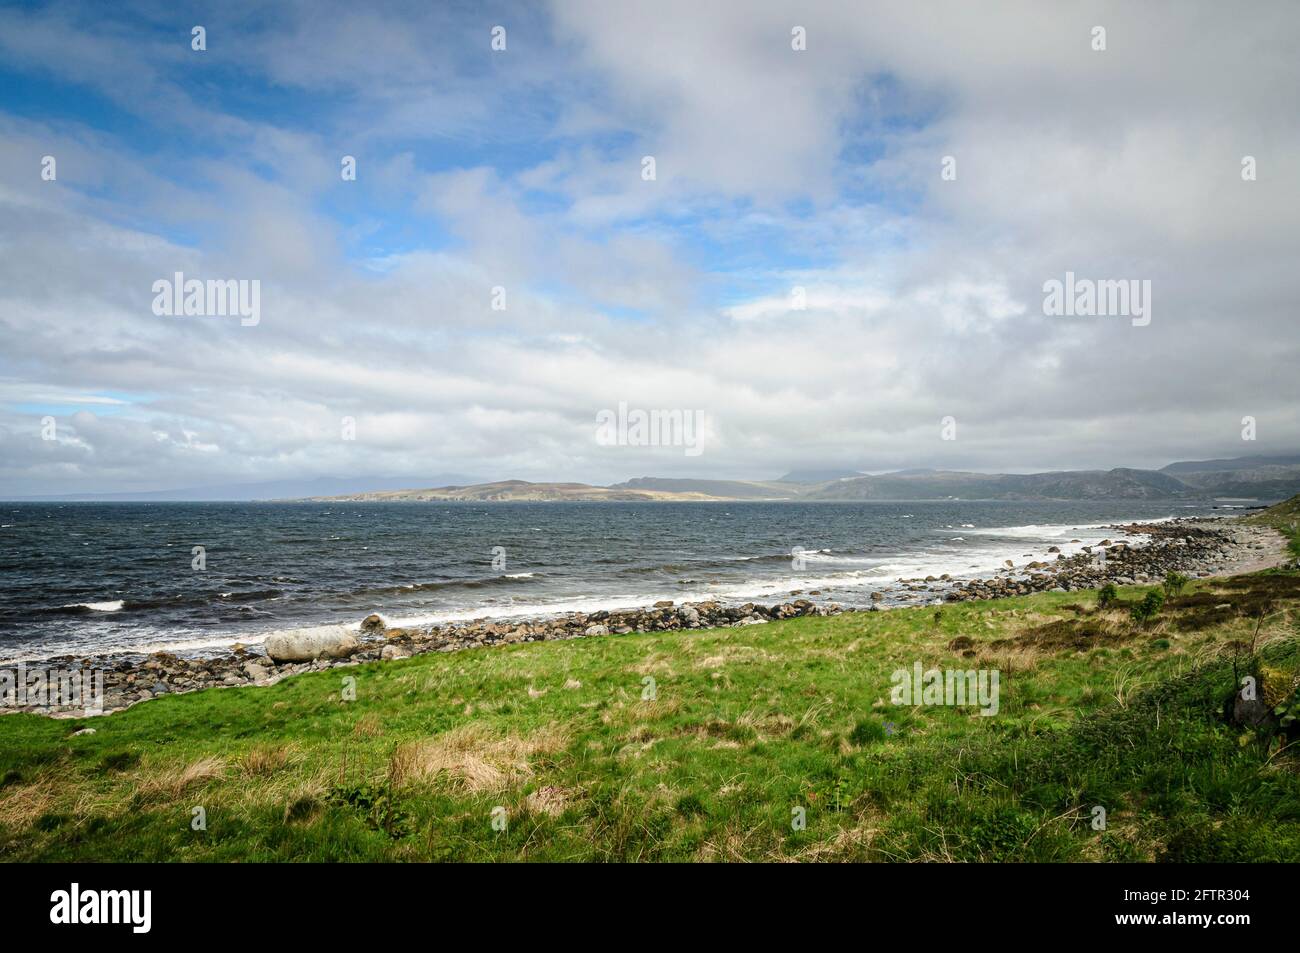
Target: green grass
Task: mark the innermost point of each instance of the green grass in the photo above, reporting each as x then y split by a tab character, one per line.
743	727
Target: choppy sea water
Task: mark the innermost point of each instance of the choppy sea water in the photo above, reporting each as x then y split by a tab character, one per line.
88	577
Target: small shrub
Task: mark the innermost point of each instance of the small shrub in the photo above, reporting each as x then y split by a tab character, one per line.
1107	596
1174	584
1149	607
841	794
376	805
999	834
1288	713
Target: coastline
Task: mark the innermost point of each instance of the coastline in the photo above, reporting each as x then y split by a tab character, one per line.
1140	554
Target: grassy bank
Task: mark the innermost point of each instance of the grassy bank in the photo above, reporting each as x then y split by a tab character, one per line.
745	726
1285	518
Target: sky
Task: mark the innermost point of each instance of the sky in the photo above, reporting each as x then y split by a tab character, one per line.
839	261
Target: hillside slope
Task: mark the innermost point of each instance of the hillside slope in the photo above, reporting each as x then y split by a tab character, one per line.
1249	478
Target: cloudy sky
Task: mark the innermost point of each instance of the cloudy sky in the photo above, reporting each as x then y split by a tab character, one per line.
522	169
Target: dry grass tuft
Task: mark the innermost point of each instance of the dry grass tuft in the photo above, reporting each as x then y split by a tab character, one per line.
655	663
548	800
473	758
20	805
264	760
172	781
1008	659
727	654
368	726
849	843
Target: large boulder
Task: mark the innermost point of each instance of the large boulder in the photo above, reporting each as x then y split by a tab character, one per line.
305	645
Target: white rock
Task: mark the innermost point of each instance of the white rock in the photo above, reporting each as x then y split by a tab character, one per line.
303	645
391	652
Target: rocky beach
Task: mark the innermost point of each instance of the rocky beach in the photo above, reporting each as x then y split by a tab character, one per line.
1138	554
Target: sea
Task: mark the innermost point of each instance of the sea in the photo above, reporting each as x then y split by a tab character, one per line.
194	578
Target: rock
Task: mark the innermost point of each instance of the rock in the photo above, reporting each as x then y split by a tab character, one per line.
664	604
877	596
1251	713
84	731
373	623
391	652
160	688
304	645
258	671
597	630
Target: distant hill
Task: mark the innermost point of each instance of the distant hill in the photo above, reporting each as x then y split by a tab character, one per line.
717	489
1234	463
521	491
1120	483
1261	478
819	476
247	492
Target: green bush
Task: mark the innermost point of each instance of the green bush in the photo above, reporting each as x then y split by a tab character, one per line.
1149	607
375	804
1174	584
1288	712
1107	596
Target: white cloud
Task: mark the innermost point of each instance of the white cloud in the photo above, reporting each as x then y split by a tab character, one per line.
776	169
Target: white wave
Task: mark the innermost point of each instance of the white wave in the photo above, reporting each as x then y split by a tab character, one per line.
96	606
826	556
538	610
